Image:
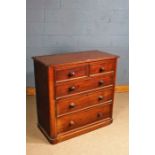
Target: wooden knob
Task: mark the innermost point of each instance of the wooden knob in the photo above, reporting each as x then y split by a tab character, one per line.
100	98
71	74
71	123
101	82
71	105
102	69
100	115
72	88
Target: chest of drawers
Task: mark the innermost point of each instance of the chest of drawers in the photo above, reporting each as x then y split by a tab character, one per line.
74	92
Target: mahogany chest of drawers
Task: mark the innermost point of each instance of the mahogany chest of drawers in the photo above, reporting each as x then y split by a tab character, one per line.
74	92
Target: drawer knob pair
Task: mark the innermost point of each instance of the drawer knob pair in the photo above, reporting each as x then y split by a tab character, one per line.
71	123
100	115
72	105
71	74
102	69
72	88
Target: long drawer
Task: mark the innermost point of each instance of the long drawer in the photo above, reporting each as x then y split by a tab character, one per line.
78	102
78	119
72	87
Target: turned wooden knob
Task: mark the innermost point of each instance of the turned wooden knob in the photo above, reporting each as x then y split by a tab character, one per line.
71	105
71	74
72	88
102	69
100	115
71	123
100	98
101	82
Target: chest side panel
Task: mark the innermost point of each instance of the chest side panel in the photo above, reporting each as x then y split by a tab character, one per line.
42	95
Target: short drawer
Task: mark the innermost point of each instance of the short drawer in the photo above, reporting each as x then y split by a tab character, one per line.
67	73
75	120
83	101
102	66
72	87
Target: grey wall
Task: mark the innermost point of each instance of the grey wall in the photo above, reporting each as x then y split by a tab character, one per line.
55	26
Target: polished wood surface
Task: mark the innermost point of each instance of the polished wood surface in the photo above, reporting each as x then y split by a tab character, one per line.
78	102
31	91
78	119
71	72
102	66
74	58
75	92
42	97
72	87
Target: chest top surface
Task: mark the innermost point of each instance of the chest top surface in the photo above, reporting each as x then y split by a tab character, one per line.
75	57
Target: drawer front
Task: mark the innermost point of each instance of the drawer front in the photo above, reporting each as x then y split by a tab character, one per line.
102	66
82	101
75	120
68	73
72	87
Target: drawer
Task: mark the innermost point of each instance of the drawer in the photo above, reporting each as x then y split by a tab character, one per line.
85	100
67	73
102	66
78	119
72	87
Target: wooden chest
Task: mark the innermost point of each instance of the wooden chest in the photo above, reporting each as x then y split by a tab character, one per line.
74	92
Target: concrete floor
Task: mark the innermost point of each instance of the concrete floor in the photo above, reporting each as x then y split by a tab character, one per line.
109	140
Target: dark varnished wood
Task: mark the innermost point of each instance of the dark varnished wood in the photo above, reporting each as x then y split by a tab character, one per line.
102	66
74	57
44	81
75	92
51	88
78	119
42	95
76	132
85	100
73	87
71	72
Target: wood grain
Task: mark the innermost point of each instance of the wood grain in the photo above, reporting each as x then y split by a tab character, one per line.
30	91
102	66
74	91
71	72
42	95
73	87
77	119
74	58
77	102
